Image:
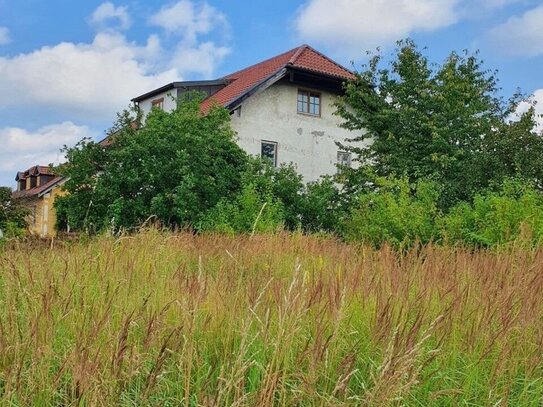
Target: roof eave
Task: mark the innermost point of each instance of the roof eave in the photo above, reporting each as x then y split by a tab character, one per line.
59	181
260	86
183	84
337	78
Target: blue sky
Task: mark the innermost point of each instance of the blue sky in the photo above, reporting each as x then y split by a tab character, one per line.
66	67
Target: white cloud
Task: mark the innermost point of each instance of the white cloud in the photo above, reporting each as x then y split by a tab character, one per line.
202	58
92	81
106	12
189	19
84	80
537	97
353	26
22	149
362	24
520	35
4	36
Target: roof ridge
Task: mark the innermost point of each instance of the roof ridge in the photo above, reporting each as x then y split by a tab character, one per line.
309	47
297	54
260	63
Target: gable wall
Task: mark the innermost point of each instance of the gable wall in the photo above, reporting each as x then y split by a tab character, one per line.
307	141
169	101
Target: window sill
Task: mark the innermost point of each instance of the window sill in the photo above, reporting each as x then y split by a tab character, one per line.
309	114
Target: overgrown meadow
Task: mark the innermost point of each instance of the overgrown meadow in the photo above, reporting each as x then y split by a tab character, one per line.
289	320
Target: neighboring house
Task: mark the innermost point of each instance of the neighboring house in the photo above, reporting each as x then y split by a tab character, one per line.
37	189
282	108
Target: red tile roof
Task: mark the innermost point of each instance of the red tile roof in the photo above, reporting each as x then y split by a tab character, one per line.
303	57
35	191
35	170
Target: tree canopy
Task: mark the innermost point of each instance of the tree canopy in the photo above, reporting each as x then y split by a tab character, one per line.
174	167
12	216
446	123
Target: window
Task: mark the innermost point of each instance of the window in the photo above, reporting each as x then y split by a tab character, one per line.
343	160
309	102
268	150
158	103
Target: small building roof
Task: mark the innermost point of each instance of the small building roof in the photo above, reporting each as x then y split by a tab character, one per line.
37	191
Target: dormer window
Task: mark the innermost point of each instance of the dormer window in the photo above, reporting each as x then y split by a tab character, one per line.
309	102
158	104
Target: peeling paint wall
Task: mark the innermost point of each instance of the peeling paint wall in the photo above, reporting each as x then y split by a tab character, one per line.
307	141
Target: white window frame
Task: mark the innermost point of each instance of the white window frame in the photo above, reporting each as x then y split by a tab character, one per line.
275	148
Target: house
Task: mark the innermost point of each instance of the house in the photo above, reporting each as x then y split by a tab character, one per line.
37	189
282	108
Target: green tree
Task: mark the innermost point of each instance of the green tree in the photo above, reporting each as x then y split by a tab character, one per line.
12	216
174	168
443	123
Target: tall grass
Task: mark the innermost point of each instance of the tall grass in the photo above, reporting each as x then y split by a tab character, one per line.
287	320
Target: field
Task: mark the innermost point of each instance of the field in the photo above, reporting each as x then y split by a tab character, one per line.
287	320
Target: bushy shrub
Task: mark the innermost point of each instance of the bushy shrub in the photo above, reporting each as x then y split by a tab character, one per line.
322	209
251	211
12	216
513	213
394	212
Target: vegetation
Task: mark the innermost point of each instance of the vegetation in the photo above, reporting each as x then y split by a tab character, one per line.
12	217
182	319
449	161
441	123
391	306
175	168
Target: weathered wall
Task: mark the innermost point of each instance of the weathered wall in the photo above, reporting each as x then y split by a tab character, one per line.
307	141
271	115
42	219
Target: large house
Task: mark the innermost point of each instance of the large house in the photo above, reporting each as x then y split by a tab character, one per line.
37	189
282	108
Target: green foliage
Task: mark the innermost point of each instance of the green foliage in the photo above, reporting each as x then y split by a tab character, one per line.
395	212
250	212
12	216
282	184
442	123
515	213
323	207
174	168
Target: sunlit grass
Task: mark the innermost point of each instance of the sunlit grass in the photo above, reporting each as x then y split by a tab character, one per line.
289	320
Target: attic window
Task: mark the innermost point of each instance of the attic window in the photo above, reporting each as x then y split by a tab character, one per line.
158	104
309	102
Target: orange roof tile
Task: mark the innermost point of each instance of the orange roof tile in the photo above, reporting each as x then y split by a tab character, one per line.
303	57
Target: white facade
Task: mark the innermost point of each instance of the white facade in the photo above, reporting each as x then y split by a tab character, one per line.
307	141
271	115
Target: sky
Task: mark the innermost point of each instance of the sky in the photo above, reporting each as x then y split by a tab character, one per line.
67	67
